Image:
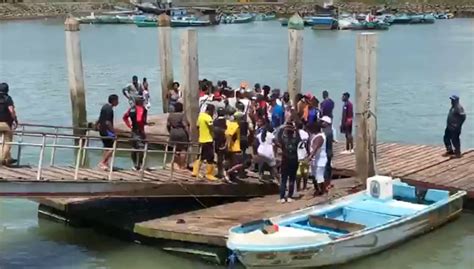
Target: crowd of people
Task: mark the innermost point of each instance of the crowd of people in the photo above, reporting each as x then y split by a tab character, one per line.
261	129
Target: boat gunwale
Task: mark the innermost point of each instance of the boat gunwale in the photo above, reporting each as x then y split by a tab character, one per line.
350	236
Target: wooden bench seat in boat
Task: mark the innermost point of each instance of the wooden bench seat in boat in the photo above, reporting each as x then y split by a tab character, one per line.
391	208
334	224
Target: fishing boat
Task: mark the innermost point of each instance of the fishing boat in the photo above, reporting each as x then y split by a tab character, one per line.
239	18
99	19
386	213
267	17
346	22
373	25
146	23
188	21
401	19
422	19
323	23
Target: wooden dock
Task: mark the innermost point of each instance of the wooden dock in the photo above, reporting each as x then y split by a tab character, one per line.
416	164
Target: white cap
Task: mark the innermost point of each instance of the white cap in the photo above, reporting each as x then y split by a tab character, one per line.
326	119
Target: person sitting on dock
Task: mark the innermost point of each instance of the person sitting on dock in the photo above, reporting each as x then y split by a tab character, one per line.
105	125
178	128
205	127
8	123
134	118
456	118
132	90
346	123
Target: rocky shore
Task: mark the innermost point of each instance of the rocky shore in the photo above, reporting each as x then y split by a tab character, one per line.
41	10
10	11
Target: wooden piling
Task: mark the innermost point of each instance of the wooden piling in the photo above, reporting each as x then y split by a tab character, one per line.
76	75
366	98
166	57
190	69
295	56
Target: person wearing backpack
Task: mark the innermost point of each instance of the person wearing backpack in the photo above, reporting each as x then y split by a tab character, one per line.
288	142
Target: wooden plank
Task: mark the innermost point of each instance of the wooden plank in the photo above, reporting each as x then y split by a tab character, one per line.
26	172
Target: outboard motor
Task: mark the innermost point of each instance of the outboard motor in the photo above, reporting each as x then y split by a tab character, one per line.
380	187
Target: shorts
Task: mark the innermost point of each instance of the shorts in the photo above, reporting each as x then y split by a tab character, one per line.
107	141
318	173
347	129
303	169
207	152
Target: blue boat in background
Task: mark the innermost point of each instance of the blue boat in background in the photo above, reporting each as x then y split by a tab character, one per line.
323	23
387	213
401	19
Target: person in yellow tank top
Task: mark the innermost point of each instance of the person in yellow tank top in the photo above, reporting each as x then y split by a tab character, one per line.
234	157
204	124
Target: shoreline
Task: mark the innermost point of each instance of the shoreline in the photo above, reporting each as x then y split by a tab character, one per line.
31	11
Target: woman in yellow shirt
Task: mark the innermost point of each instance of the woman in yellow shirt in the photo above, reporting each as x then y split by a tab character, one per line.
234	153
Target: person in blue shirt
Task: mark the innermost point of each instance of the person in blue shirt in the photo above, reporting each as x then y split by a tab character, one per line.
278	113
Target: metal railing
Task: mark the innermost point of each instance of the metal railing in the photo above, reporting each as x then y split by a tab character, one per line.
82	146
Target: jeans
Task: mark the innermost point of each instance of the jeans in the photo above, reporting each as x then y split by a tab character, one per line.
451	139
288	172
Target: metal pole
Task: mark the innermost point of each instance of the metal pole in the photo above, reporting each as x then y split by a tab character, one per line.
40	161
20	140
172	162
165	157
114	150
145	155
78	159
53	150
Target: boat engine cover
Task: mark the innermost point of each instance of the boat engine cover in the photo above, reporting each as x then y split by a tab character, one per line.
380	187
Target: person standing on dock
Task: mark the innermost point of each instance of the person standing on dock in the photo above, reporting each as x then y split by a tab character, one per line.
456	118
346	123
205	127
174	96
8	123
327	105
326	125
132	90
220	126
317	157
105	125
178	128
288	141
134	118
234	151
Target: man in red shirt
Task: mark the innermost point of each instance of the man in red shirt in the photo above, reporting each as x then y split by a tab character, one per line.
346	123
135	119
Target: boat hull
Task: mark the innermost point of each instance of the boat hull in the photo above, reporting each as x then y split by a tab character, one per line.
358	245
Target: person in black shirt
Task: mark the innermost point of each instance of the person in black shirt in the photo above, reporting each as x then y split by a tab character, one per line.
105	125
220	125
8	123
288	141
456	118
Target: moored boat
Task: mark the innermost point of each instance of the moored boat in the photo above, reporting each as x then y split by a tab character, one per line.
146	23
388	212
374	25
323	23
238	18
401	19
422	19
268	17
188	21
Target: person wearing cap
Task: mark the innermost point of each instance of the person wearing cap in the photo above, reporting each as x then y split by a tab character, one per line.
135	119
455	120
326	125
346	123
8	123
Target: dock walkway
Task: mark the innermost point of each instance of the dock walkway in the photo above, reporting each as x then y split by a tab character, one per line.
419	165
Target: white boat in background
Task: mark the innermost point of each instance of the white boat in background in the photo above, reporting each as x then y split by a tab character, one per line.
346	22
388	212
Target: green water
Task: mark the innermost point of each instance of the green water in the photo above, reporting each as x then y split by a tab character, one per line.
419	66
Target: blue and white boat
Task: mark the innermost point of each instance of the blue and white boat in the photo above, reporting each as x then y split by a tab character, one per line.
323	23
387	213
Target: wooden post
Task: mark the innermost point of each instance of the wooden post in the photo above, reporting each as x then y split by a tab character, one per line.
166	63
190	69
295	56
76	75
366	105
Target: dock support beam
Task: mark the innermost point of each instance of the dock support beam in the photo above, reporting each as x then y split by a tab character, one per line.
76	75
165	53
366	99
190	69
295	56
